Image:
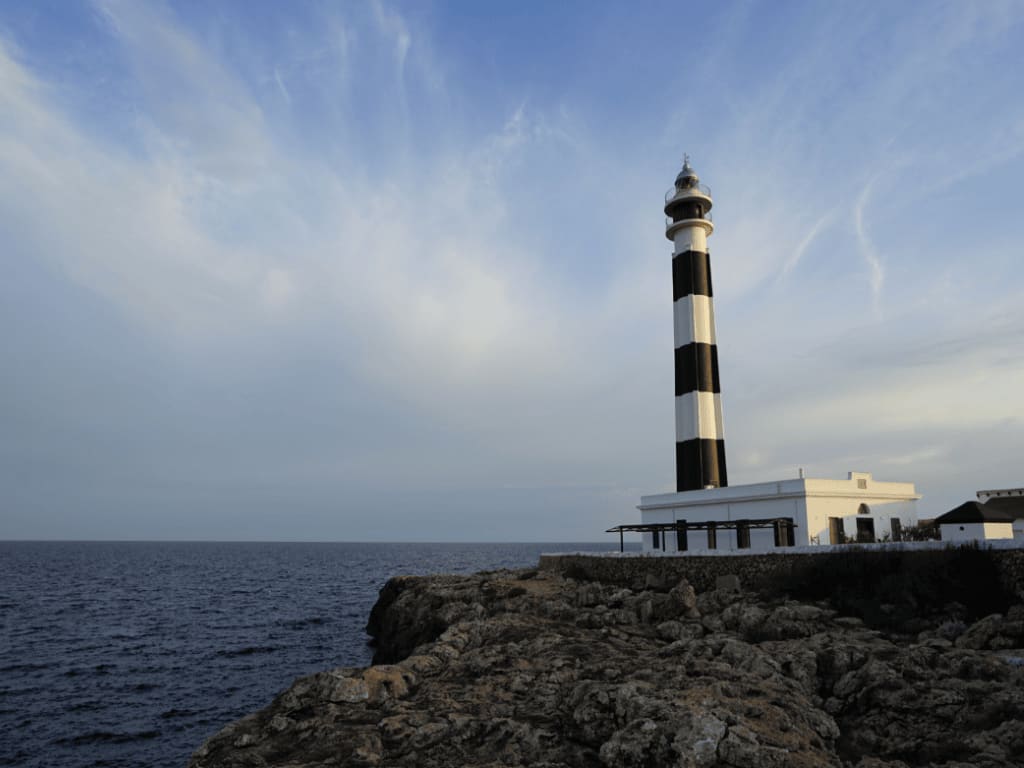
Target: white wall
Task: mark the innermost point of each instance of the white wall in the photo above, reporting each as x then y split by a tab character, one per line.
880	510
764	538
976	531
998	530
697	541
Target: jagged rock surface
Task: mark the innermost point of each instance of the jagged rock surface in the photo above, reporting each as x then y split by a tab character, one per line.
530	669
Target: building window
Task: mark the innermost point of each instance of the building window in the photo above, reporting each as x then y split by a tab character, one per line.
655	540
743	535
863	509
862	484
712	536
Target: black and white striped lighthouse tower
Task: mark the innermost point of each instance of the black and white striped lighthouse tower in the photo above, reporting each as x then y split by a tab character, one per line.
700	440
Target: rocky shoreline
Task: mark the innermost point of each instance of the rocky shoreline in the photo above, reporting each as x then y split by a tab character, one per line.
533	668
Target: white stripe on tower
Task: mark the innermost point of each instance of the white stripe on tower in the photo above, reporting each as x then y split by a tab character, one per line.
700	439
695	320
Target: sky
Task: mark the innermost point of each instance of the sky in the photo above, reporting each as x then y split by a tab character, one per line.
397	271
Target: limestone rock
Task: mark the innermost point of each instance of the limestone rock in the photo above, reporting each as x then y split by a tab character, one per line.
530	669
728	583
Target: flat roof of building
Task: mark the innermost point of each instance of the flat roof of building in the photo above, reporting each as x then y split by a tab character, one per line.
857	484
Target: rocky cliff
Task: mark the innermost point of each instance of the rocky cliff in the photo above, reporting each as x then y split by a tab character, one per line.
536	669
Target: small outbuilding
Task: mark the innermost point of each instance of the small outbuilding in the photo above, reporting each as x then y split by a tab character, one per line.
1011	504
974	521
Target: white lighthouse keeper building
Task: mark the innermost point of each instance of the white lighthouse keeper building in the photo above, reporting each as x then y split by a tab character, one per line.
706	513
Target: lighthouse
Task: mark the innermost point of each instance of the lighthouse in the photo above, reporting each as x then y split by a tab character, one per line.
705	514
700	439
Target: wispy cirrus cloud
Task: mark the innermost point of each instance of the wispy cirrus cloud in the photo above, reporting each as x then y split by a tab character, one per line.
876	272
215	234
341	268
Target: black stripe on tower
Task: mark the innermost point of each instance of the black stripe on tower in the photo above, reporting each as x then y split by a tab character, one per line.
723	476
697	368
691	274
700	463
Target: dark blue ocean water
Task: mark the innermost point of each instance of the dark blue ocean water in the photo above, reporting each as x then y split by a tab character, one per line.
133	653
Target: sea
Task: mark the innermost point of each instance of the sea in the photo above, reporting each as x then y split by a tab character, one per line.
134	653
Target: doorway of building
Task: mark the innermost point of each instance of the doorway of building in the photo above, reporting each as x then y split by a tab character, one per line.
896	526
865	530
835	531
784	535
681	539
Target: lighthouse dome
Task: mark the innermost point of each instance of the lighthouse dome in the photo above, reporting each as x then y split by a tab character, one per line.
687	177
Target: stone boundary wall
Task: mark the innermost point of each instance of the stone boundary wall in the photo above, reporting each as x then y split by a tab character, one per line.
764	573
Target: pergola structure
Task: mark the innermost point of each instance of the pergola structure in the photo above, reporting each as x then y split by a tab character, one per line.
783	527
